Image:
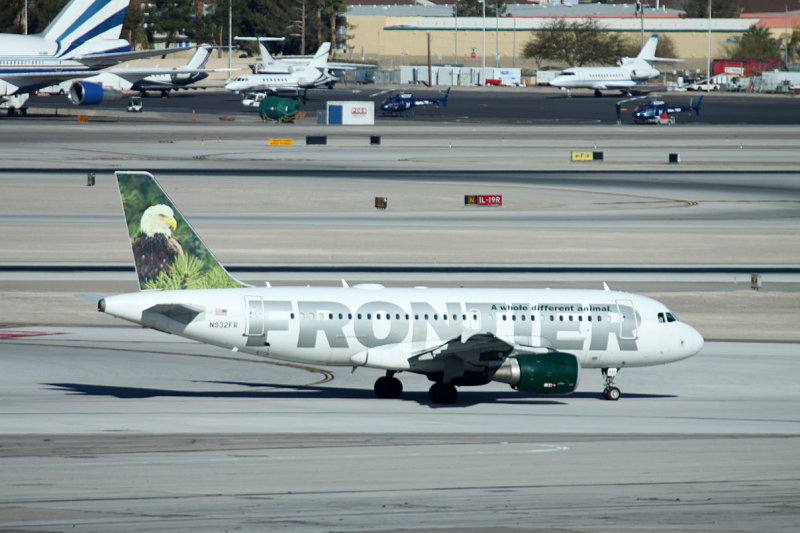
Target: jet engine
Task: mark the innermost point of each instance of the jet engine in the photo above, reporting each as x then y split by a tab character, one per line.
88	93
547	373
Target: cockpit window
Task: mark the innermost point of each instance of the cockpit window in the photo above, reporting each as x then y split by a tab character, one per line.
666	317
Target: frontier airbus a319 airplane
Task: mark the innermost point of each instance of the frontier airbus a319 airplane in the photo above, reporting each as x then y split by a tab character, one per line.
535	340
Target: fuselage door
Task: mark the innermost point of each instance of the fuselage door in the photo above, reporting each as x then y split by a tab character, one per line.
628	325
254	326
474	319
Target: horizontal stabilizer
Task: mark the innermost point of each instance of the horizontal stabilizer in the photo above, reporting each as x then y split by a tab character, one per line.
183	313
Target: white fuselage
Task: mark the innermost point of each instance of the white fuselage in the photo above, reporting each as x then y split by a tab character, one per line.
402	329
599	78
274	81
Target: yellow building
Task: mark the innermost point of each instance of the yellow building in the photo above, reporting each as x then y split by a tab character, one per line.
391	41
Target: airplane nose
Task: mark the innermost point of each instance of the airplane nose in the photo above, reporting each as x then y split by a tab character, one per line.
691	340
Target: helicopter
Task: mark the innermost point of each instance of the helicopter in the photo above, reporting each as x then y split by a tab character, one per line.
401	103
659	112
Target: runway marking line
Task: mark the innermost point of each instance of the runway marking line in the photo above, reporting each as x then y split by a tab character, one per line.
11	334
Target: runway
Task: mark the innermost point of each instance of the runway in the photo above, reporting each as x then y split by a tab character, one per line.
123	428
106	426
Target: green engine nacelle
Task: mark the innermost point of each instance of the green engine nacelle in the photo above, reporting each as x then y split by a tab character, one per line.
278	108
548	373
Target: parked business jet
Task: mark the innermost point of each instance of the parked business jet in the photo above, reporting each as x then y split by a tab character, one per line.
293	80
629	72
114	83
287	64
536	340
80	41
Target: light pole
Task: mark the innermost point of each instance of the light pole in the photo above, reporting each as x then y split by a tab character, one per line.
230	37
708	55
483	65
455	53
496	36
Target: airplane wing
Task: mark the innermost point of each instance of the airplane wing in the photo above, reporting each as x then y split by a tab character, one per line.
36	80
474	348
349	66
135	74
106	60
614	85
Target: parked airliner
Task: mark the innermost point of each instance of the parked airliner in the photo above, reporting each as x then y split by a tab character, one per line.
114	83
630	72
80	41
535	340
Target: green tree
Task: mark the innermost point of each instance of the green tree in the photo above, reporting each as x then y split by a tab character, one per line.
575	43
755	43
719	9
665	48
170	18
11	16
133	29
793	44
474	8
42	12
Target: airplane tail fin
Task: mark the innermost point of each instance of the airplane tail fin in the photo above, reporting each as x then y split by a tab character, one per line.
200	57
167	251
320	60
266	58
648	52
696	107
88	26
444	97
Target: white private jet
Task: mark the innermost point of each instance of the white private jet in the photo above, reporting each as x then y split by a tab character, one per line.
80	41
536	340
312	75
114	83
287	64
629	72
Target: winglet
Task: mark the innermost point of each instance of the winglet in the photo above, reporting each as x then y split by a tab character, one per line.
605	286
167	251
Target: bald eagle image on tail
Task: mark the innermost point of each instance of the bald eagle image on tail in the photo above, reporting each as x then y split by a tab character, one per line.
167	251
155	248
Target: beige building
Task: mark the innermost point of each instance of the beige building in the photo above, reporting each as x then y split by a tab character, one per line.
393	41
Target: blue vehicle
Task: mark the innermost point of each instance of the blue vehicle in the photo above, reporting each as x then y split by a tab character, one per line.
660	112
402	103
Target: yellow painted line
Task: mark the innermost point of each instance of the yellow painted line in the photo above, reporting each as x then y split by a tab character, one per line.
280	142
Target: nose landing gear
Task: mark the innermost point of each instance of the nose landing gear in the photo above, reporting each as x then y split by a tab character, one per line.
610	392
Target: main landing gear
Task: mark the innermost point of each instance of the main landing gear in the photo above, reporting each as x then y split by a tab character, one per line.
611	392
388	386
445	393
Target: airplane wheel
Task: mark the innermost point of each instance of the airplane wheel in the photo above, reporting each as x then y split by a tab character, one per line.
612	393
443	393
386	387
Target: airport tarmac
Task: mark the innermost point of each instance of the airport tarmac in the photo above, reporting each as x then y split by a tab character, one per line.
122	428
105	426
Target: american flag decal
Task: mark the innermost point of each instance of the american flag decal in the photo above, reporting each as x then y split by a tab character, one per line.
221	312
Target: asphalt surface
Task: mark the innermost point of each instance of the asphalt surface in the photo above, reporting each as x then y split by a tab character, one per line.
112	427
108	429
470	105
